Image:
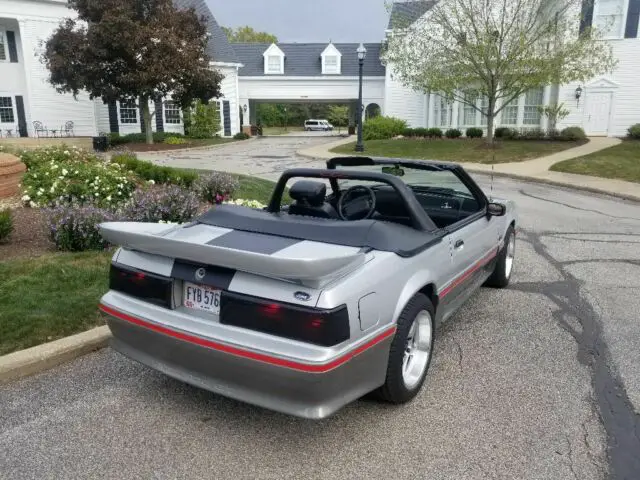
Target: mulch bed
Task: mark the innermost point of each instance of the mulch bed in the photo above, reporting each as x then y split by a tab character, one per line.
30	237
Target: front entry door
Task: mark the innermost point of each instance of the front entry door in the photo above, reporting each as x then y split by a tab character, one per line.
598	113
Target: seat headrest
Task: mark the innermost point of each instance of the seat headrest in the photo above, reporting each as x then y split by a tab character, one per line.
308	191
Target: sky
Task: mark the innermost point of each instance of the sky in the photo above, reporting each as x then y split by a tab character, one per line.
307	20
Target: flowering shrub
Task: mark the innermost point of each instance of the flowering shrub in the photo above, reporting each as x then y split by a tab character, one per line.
6	224
167	203
74	227
101	183
247	203
216	187
175	141
56	154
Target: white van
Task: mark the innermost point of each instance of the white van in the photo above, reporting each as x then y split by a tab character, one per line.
314	124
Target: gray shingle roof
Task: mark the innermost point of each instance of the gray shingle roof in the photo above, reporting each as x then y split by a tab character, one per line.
219	48
404	14
303	59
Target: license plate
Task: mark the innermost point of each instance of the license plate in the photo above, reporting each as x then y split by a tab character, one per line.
201	297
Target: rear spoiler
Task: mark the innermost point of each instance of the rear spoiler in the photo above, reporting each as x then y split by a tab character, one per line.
152	238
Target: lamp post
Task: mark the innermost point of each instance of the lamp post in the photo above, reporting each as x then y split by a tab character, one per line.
362	53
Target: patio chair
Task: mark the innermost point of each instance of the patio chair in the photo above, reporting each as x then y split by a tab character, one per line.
68	129
38	128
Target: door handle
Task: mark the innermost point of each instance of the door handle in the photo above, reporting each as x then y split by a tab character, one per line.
459	244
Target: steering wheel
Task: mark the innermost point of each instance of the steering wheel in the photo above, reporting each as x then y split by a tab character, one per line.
364	204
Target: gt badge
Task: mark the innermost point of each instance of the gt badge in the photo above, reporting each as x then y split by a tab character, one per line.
302	296
201	273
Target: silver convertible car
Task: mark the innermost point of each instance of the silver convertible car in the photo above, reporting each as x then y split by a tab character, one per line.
306	307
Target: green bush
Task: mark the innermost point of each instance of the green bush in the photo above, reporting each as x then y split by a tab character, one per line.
532	134
420	132
202	121
573	133
408	132
115	139
634	131
474	132
175	141
434	133
453	133
502	132
6	224
381	128
74	175
154	173
241	136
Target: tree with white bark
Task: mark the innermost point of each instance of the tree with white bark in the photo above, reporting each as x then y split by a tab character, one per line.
496	51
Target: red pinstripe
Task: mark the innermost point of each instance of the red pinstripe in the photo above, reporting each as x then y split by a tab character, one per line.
467	273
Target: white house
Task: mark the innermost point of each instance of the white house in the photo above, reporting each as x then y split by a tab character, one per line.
301	73
606	106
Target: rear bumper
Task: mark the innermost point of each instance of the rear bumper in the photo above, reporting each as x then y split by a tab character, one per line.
287	385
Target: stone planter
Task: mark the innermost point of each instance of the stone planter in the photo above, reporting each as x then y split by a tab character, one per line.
11	171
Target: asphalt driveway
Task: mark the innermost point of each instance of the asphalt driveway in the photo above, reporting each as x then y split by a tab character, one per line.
538	381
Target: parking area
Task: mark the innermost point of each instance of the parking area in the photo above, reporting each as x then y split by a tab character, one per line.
538	381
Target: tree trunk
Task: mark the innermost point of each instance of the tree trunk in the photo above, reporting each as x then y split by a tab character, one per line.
490	129
146	114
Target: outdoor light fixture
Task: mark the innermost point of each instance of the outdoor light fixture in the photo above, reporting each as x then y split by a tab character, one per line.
578	94
245	108
362	53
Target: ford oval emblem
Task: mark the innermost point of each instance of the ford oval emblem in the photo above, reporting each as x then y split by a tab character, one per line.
201	273
302	296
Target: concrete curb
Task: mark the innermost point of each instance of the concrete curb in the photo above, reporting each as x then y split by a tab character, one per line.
48	355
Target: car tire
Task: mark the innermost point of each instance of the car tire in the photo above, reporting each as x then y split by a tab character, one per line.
504	265
404	380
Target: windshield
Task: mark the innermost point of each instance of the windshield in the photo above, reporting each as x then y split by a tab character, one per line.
444	181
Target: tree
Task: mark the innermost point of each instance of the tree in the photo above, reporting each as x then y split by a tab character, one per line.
123	50
496	50
247	34
554	112
339	115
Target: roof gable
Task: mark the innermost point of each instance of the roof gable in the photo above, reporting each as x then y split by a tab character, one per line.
405	13
218	48
331	50
273	50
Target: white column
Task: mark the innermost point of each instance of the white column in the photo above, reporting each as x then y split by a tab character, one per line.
544	121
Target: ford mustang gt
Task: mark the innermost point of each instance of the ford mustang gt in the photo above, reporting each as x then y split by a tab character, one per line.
305	307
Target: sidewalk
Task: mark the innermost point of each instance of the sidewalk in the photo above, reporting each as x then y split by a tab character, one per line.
536	170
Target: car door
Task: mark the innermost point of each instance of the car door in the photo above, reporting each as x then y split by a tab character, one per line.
473	242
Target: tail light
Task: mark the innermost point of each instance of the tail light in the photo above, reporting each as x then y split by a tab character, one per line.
145	286
316	326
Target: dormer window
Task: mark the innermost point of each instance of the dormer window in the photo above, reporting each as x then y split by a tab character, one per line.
331	60
273	60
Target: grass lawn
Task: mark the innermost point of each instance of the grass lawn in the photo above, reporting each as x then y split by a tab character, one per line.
460	150
621	162
280	130
191	143
50	297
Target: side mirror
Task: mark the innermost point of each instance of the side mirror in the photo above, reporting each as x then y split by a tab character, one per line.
496	210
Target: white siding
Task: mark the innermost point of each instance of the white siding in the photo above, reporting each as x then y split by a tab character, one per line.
403	102
626	93
101	110
229	87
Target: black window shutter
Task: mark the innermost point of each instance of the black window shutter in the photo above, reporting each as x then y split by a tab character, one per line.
114	124
586	15
159	116
633	16
22	119
13	51
226	112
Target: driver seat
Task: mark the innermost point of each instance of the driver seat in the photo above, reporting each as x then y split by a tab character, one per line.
309	200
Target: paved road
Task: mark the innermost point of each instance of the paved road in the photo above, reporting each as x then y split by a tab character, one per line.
534	382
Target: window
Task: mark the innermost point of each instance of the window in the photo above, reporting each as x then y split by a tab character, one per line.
171	112
3	46
274	64
510	113
443	118
533	100
468	113
128	112
484	106
609	17
331	64
6	110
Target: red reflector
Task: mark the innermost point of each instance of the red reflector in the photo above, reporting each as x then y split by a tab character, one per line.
140	276
271	309
317	323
